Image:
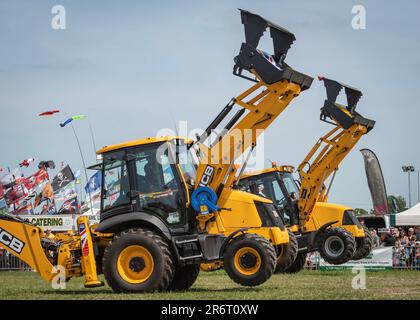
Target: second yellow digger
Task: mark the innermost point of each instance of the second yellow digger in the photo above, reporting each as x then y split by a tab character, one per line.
331	229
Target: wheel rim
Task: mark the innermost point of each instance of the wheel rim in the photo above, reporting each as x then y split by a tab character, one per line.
135	264
247	261
334	246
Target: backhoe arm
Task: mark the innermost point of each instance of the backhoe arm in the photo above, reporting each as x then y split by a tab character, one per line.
326	155
23	240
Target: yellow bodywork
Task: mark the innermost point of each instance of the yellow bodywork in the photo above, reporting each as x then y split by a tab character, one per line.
239	211
29	248
264	104
324	212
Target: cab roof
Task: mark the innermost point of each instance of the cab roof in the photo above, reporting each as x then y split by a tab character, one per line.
139	142
284	168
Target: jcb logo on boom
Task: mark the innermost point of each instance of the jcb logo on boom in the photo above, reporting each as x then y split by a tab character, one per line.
206	178
11	241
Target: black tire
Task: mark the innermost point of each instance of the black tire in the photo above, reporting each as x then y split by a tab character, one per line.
162	269
184	277
336	245
363	245
287	254
264	260
298	264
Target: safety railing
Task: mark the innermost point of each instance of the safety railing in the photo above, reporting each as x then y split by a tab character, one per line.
9	262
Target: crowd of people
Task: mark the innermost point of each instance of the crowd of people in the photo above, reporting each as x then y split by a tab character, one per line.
405	243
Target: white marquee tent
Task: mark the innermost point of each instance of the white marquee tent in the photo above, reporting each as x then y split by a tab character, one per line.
410	217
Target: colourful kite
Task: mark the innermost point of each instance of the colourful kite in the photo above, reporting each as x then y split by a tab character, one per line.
26	162
49	113
78	117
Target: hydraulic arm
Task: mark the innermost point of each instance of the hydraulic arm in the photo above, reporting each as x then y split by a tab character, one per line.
276	86
326	155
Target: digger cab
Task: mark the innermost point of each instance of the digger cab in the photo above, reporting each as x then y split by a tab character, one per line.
278	185
151	176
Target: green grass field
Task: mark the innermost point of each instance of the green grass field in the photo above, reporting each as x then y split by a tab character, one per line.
216	285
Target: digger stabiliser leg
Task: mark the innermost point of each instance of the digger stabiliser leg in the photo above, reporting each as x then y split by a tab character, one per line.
88	254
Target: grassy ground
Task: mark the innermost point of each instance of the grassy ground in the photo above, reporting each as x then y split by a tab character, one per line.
216	285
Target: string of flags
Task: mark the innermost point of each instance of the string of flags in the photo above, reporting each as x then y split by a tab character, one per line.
25	195
38	194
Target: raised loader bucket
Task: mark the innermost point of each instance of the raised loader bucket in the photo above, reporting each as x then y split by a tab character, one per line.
270	68
346	116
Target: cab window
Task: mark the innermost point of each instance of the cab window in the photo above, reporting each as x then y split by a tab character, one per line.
157	184
116	185
290	184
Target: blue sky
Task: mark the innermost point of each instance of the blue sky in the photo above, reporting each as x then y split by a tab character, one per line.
133	67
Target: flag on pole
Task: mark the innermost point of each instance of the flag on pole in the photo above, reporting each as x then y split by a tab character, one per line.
63	178
67	192
94	183
69	207
78	117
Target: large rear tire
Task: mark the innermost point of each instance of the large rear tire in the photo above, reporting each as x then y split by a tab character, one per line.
184	277
298	264
138	260
336	245
363	245
287	254
250	260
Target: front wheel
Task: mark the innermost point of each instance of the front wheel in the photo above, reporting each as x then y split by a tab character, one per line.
287	254
363	245
138	260
336	245
250	260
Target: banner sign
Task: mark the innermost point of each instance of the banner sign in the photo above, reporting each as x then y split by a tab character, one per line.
54	222
94	219
379	259
376	182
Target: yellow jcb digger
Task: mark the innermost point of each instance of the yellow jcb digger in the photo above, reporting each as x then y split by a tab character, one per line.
331	229
161	215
